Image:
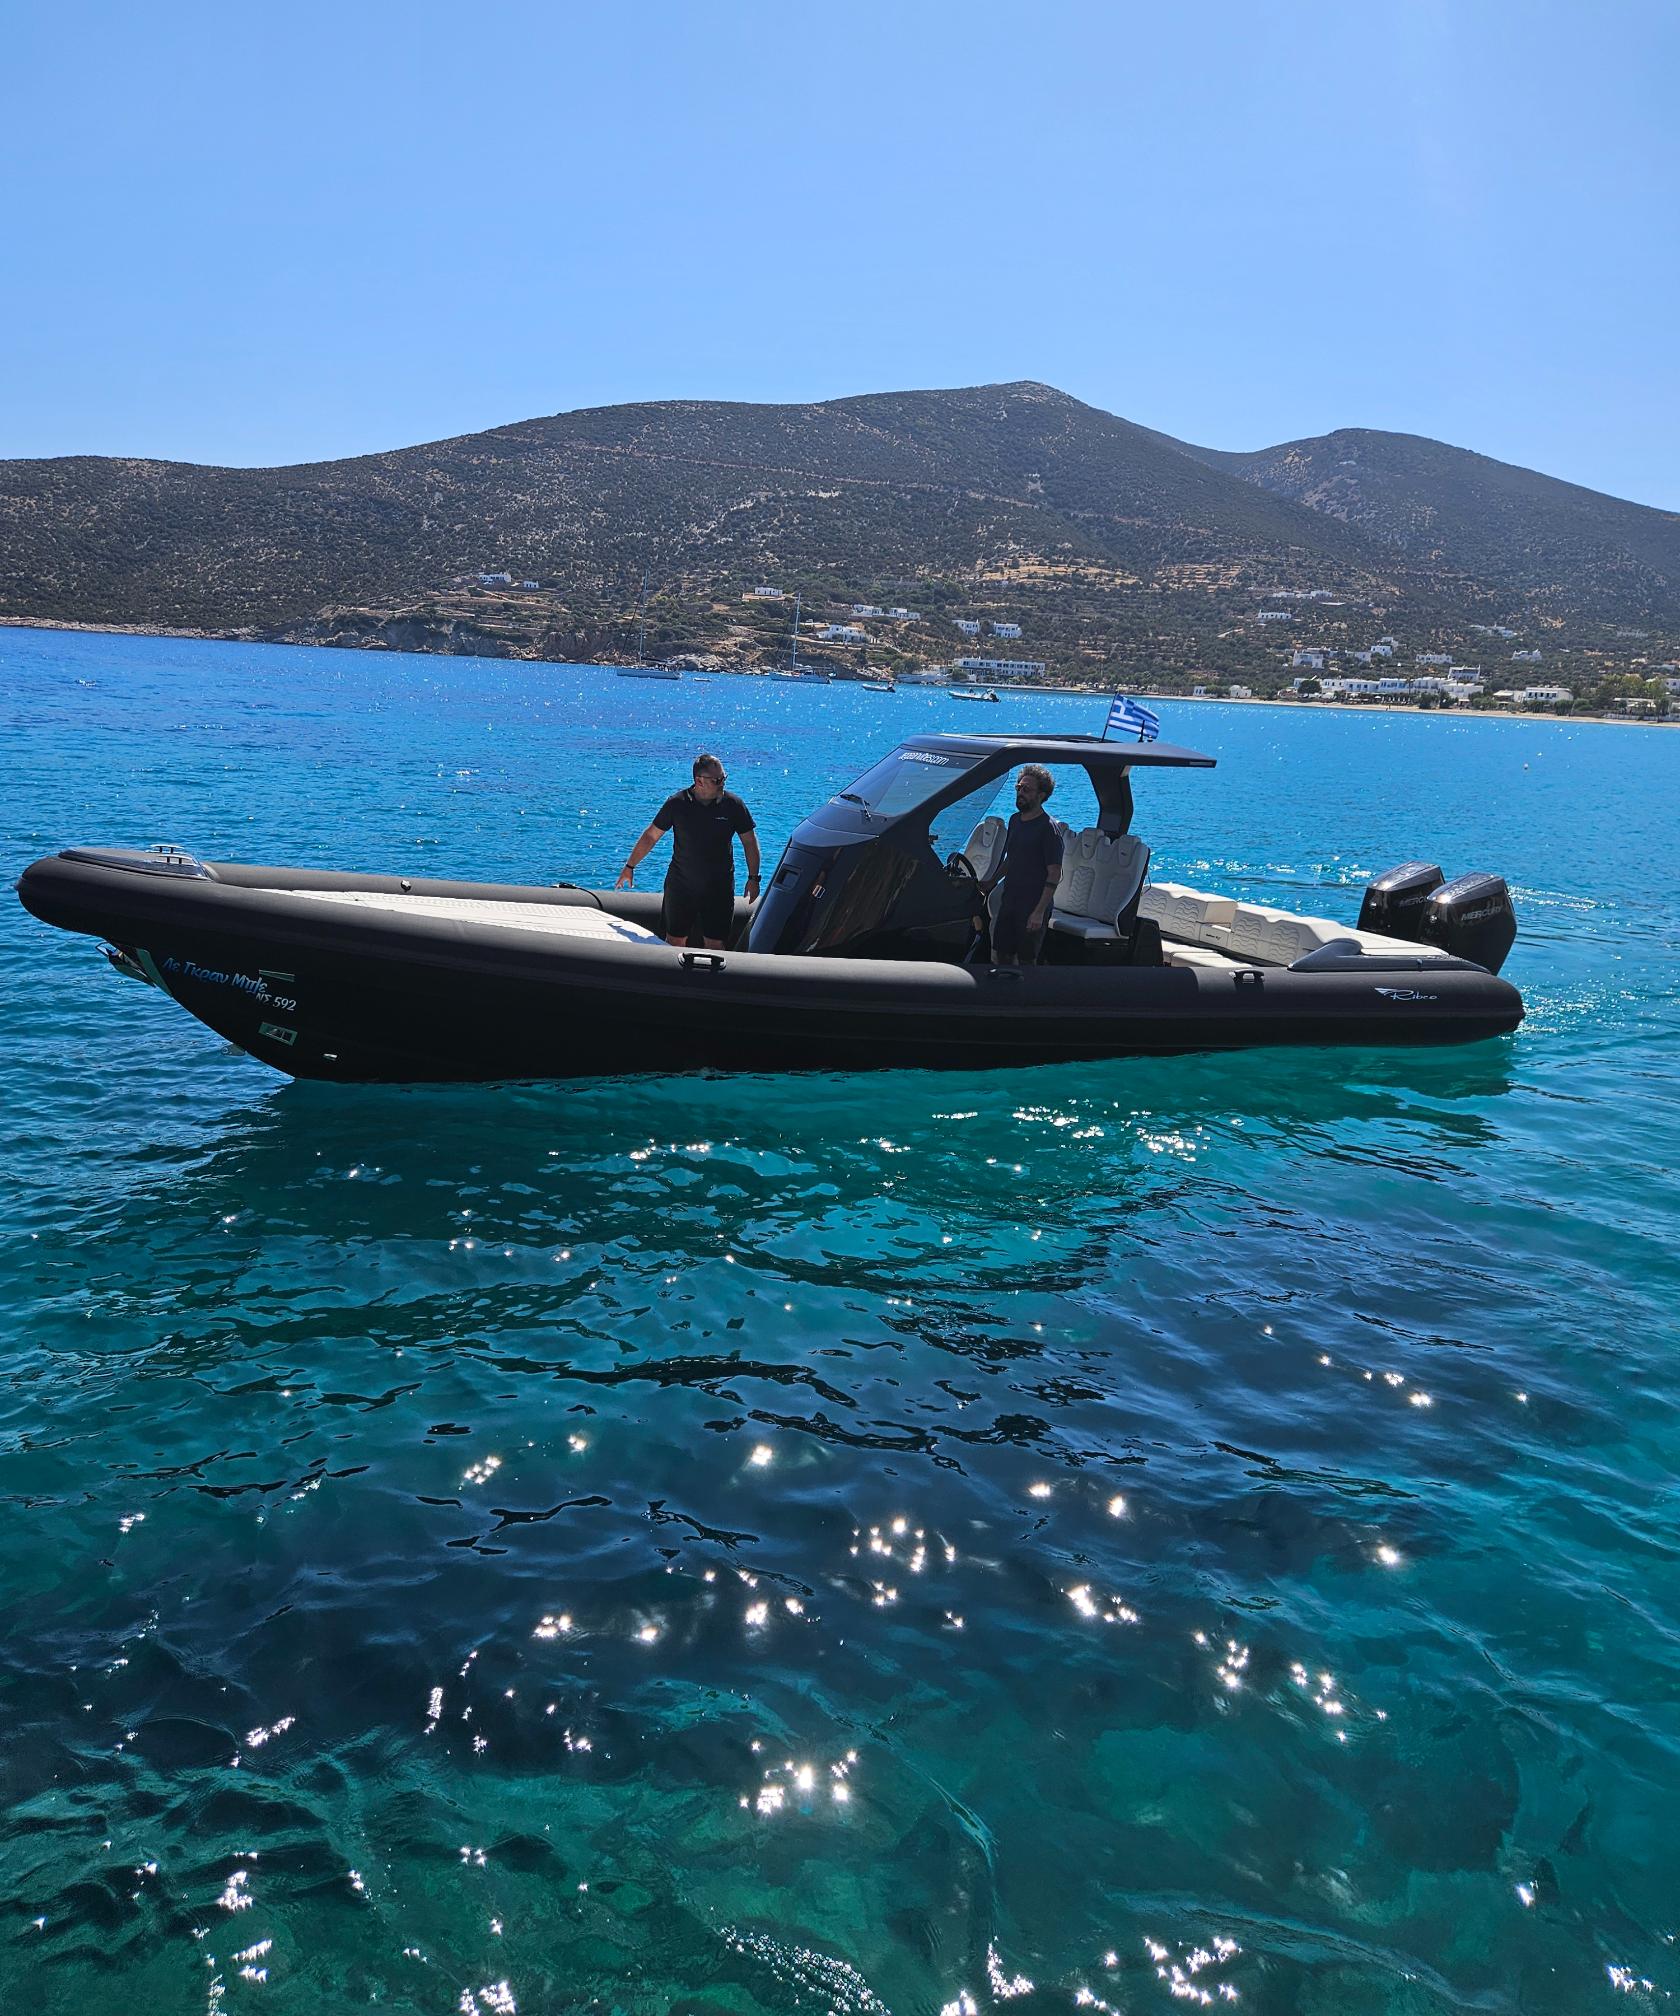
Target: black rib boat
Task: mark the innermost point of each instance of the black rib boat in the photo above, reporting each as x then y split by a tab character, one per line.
869	948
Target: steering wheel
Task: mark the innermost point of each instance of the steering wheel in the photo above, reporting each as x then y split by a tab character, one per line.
957	866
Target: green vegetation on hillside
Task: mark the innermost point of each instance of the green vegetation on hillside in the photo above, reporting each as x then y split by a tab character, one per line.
1124	556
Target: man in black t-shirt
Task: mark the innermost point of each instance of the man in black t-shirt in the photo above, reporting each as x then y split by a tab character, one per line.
700	882
1030	869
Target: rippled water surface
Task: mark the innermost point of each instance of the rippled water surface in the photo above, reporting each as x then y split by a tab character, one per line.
1112	1536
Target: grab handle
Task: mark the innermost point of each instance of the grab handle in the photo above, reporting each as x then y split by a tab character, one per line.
711	962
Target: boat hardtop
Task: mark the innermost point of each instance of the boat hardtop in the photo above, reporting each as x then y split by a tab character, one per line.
871	945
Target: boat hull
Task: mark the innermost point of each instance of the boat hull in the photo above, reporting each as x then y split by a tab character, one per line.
323	990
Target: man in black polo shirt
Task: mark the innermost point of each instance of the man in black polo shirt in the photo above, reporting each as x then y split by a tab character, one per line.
1030	869
700	882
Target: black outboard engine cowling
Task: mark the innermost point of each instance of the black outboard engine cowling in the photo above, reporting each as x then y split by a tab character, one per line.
1471	917
1394	902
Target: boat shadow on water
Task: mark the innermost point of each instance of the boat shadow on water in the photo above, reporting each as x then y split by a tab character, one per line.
951	1178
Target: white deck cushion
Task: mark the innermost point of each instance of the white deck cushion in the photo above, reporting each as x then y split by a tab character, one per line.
1200	955
1186	913
559	920
1268	936
1375	942
1256	931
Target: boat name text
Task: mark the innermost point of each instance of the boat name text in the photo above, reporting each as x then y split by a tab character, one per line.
244	983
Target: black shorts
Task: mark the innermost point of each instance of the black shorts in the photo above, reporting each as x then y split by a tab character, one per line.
1010	937
692	912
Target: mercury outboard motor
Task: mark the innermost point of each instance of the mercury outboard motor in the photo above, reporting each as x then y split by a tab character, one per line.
1394	902
1471	917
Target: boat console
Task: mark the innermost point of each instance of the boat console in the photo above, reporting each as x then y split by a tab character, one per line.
889	867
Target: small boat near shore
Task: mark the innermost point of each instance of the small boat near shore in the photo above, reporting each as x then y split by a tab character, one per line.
968	693
647	672
870	948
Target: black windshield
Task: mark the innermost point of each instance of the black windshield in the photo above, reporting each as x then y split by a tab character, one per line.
906	779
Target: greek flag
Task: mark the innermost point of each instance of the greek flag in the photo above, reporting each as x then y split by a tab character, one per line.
1128	713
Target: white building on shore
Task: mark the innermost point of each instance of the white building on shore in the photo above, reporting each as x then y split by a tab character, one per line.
969	625
762	594
1006	629
1004	668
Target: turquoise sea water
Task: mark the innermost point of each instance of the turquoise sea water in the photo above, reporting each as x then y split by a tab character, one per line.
1187	1533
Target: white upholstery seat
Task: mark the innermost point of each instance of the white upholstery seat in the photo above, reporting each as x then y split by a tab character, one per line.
1102	874
1186	913
985	847
1273	937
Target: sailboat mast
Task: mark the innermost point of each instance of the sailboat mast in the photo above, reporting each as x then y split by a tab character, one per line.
795	666
641	620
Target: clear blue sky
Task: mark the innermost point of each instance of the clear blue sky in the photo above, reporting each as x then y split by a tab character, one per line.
267	233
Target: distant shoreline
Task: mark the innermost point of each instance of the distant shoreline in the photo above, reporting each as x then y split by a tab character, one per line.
1064	692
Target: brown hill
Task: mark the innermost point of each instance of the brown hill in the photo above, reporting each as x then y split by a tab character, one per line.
1114	545
1550	547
